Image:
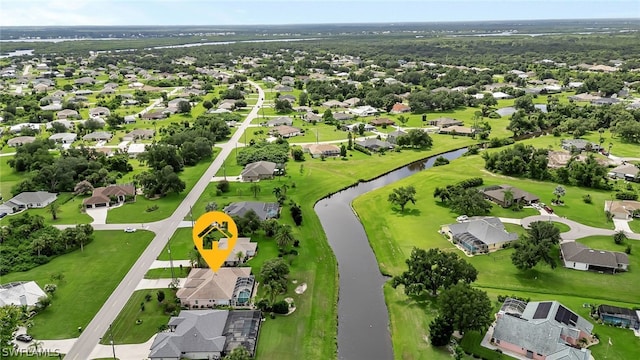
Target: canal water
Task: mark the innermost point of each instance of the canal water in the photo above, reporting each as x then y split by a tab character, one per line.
363	319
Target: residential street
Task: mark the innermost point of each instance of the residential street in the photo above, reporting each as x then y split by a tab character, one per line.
84	347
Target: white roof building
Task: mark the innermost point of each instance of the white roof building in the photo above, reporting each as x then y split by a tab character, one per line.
20	293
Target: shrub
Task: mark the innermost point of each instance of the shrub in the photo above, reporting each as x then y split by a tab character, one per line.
587	199
263	305
280	307
152	208
626	195
362	149
223	186
441	160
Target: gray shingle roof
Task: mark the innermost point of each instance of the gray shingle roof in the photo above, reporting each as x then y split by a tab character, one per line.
259	168
262	209
577	252
489	230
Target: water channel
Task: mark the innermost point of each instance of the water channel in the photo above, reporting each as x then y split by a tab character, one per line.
363	319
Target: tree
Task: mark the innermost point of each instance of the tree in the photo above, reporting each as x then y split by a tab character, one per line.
82	188
470	202
54	209
559	192
10	318
282	106
240	257
43	303
275	271
433	269
343	150
303	99
284	237
207	104
297	154
255	189
508	197
536	246
160	295
350	140
402	195
403	119
619	237
466	308
270	227
239	353
50	289
211	206
277	191
296	213
195	259
440	331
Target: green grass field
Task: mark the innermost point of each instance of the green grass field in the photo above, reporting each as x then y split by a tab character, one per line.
89	279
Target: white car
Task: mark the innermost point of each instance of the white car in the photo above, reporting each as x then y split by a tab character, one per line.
129	230
462	218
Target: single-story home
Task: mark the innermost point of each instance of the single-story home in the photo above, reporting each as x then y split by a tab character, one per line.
136	149
540	330
98	136
66	113
99	111
19	127
374	144
311	117
459	130
283	88
259	170
480	235
281	120
130	119
506	111
623	209
286	131
20	140
356	127
66	123
628	172
501	95
444	122
110	195
228	286
264	210
207	334
64	138
382	122
365	110
139	134
580	257
28	200
20	293
342	116
243	250
618	316
496	194
399	108
155	114
319	150
579	145
335	104
393	136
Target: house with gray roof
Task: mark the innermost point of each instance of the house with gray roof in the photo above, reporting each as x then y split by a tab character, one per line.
581	257
281	120
64	138
545	330
499	195
393	136
264	210
259	170
139	134
20	140
628	172
27	200
99	111
66	113
98	135
480	235
374	144
580	145
207	334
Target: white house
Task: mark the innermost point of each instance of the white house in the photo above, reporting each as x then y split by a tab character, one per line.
20	293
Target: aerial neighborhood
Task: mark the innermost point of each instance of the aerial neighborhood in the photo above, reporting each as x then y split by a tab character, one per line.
496	192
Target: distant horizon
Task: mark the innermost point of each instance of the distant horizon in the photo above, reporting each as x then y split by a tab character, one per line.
69	13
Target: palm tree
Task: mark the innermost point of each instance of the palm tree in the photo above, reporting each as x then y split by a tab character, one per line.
284	189
195	259
619	237
38	244
508	197
36	346
277	191
284	237
272	289
54	208
255	188
239	256
559	192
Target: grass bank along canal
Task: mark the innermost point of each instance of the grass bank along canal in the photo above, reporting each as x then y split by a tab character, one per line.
363	319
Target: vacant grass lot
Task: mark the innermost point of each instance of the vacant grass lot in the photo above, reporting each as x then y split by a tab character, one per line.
89	279
136	212
393	235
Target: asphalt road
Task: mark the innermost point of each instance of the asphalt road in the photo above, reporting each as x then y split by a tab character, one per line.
84	346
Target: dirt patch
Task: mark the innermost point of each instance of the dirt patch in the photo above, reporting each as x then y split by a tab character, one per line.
301	289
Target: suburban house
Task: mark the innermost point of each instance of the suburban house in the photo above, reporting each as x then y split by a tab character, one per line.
110	196
66	123
259	170
155	114
458	130
311	117
374	144
281	120
365	110
540	330
64	138
393	136
20	140
243	250
480	235
623	209
130	119
99	111
20	293
506	111
228	286
287	97
286	131
262	209
399	108
356	127
627	172
319	150
66	113
444	122
207	334
334	104
134	150
579	145
98	136
580	257
27	200
139	134
499	195
382	122
342	116
618	316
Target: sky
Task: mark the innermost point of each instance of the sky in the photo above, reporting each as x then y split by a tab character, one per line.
273	12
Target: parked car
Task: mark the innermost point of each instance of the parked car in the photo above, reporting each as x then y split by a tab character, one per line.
462	218
129	230
548	209
24	338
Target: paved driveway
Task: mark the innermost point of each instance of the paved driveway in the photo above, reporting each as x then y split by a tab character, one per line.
577	230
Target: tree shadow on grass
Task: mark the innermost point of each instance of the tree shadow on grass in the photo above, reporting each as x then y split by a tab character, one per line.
406	212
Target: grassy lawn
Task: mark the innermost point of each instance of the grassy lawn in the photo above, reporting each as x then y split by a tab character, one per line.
126	331
109	257
165	273
393	235
166	206
635	225
8	177
181	245
619	148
